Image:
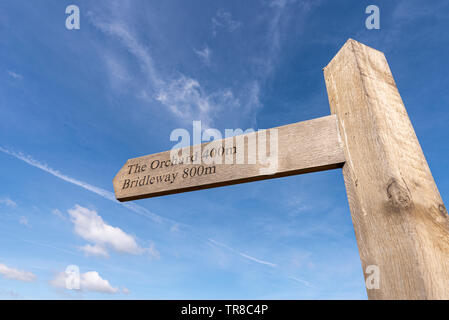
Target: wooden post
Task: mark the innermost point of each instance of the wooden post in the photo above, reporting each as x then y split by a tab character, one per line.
400	221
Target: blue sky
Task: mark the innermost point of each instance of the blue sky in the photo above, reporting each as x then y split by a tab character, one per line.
75	105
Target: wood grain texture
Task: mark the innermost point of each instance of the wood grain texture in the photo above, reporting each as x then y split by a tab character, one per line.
400	221
303	147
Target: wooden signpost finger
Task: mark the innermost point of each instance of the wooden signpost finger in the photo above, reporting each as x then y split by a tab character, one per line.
297	148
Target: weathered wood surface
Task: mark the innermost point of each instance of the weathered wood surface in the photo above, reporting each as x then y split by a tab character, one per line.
400	221
302	147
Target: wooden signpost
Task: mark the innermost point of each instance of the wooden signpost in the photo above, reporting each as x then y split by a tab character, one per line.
400	221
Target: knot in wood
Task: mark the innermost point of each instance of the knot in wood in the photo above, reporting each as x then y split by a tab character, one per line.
442	210
398	195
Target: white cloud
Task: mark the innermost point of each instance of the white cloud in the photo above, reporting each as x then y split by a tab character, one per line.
223	20
89	281
10	294
153	252
204	54
8	202
281	13
15	76
120	31
15	274
58	213
90	226
125	290
118	74
186	99
94	250
408	11
23	221
174	228
253	103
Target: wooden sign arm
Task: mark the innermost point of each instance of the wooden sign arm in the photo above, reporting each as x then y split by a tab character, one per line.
298	148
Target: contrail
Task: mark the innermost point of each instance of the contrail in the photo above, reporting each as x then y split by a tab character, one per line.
304	282
101	192
242	254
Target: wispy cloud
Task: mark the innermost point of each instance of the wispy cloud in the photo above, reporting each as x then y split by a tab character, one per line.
59	214
223	21
50	246
94	250
15	274
119	30
8	202
184	96
10	294
265	62
24	221
117	71
281	13
410	10
14	75
204	54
